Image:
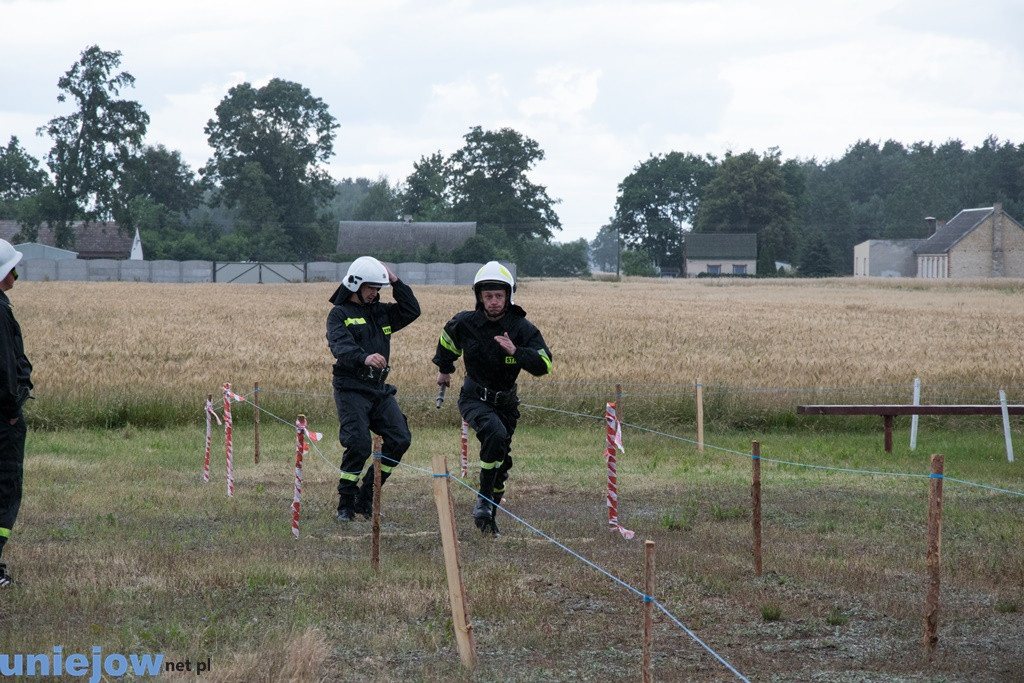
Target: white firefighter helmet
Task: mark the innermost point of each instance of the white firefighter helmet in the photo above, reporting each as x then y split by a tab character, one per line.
493	273
9	258
365	270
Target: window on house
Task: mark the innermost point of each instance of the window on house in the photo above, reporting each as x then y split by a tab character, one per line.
715	269
739	269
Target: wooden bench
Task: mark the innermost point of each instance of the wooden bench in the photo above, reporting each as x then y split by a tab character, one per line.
890	411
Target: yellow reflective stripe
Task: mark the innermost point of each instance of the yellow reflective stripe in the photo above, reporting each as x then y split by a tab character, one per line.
5	533
386	468
355	321
447	343
488	465
350	477
546	359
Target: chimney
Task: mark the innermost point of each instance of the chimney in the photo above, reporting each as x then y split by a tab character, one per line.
997	207
930	221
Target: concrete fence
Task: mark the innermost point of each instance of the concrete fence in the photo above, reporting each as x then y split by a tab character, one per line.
110	270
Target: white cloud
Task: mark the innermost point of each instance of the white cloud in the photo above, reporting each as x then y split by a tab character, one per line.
599	84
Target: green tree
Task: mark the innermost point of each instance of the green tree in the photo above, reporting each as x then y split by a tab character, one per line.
425	196
815	258
487	181
658	199
162	176
381	203
748	194
20	175
270	145
348	195
26	194
92	145
604	248
541	258
636	262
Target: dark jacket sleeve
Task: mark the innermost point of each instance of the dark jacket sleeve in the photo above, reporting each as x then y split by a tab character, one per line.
341	342
8	366
449	347
405	309
534	356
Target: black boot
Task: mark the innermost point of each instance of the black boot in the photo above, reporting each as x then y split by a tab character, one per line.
483	511
364	499
346	503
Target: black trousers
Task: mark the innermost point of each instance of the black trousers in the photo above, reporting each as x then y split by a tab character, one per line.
12	467
359	413
494	426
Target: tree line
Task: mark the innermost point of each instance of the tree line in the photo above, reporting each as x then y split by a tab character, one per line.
265	193
805	212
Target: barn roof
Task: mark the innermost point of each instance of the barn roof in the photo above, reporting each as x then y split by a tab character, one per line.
92	240
721	245
367	237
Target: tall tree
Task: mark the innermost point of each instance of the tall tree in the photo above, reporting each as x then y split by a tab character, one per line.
488	183
604	248
162	176
381	203
270	145
658	199
426	193
93	144
25	189
750	193
20	175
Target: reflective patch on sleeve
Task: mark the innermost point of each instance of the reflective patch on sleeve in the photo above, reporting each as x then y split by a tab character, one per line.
510	360
447	343
547	359
386	329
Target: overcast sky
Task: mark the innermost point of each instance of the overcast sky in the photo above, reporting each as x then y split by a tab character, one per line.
599	85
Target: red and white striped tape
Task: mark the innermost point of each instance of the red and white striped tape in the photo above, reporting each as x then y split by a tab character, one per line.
301	447
206	461
227	440
613	441
465	447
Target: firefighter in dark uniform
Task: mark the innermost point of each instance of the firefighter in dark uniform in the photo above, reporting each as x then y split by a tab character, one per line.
498	342
359	330
15	389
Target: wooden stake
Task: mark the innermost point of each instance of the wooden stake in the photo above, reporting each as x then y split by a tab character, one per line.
931	607
450	543
256	420
648	674
755	504
375	525
700	416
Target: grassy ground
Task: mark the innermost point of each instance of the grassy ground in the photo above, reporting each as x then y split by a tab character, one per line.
121	545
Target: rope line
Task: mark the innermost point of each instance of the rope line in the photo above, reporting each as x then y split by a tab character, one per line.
847	470
539	533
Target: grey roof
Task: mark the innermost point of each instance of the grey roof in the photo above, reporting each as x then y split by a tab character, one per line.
947	236
721	245
367	237
92	240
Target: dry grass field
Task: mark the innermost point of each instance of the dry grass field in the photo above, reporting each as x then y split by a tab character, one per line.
117	353
120	545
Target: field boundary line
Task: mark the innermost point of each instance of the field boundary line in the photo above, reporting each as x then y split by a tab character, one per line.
537	531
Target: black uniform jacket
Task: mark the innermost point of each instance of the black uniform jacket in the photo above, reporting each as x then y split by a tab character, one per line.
487	364
354	331
15	370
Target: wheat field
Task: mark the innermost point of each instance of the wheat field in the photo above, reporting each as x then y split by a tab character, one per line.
111	353
120	544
